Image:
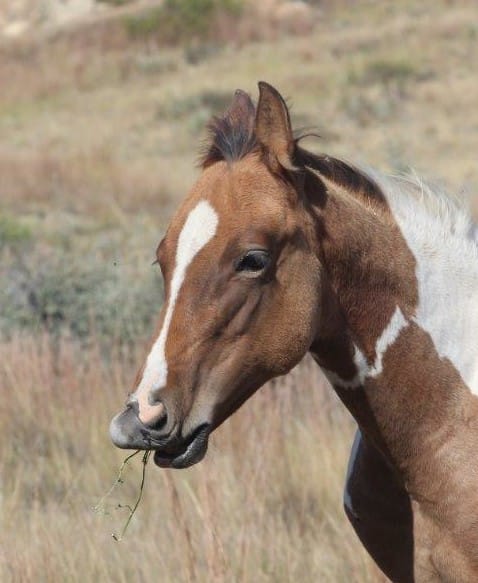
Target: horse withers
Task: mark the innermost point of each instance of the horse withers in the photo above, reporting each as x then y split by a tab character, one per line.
277	252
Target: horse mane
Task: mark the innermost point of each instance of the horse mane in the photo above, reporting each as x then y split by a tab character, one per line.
232	136
417	199
339	171
434	211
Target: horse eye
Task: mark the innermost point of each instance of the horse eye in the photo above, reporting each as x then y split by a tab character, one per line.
253	261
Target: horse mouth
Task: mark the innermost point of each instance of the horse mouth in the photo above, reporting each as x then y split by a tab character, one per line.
170	451
190	453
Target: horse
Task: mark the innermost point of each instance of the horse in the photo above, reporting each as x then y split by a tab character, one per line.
276	252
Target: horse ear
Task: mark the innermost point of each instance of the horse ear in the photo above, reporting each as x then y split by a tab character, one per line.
241	111
273	128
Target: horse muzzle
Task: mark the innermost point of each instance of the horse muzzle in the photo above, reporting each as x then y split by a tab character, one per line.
171	450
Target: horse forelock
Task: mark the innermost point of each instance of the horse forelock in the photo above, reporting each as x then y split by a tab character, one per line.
232	135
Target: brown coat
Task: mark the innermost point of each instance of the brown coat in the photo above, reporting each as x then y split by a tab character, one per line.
276	252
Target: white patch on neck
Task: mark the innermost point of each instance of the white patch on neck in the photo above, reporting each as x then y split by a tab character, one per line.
387	339
198	229
364	369
443	241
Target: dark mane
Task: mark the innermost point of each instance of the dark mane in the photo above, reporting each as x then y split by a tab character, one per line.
350	177
228	141
232	135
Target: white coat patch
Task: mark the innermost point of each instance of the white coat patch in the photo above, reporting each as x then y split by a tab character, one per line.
198	229
364	369
443	240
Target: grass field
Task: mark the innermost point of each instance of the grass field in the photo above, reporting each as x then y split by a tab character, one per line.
100	127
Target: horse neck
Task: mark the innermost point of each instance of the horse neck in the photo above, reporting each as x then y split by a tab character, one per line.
382	361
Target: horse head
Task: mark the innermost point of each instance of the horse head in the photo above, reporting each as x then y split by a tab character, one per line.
241	282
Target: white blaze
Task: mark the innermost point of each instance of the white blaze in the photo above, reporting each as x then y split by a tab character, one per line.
198	229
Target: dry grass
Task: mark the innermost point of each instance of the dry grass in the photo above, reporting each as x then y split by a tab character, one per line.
99	138
383	83
265	505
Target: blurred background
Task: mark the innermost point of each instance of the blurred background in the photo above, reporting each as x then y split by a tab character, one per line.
103	107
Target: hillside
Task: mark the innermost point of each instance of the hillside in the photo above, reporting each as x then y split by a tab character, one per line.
102	114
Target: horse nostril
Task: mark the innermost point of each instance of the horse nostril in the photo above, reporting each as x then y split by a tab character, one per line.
159	419
132	403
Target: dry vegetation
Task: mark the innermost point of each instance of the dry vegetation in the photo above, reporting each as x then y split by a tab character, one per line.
265	505
100	128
